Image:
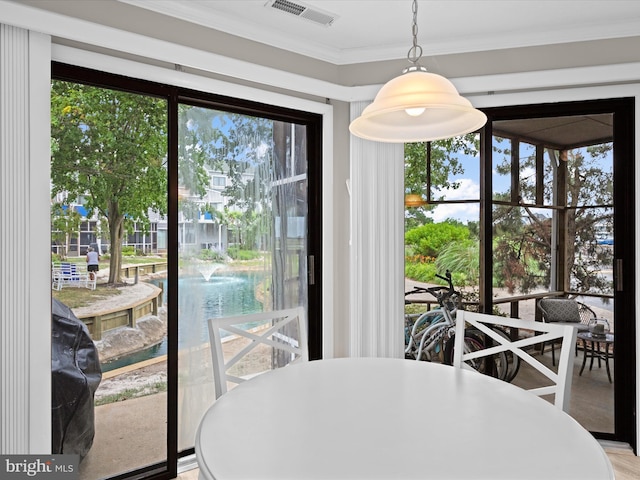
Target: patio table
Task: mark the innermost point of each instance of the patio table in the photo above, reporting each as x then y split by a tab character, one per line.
592	349
373	418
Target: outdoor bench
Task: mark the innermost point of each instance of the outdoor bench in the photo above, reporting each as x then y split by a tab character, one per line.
66	274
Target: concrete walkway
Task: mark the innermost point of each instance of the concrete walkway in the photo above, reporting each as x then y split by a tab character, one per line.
129	434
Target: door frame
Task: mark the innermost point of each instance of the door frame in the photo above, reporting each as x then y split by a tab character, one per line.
623	110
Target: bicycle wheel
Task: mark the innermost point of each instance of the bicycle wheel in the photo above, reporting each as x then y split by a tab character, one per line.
473	341
409	344
502	361
513	361
425	325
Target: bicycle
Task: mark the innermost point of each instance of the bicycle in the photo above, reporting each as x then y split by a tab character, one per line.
425	332
416	324
505	364
433	332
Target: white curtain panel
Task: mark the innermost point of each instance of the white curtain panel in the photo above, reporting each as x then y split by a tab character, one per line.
377	247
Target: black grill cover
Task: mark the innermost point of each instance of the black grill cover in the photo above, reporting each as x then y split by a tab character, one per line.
75	376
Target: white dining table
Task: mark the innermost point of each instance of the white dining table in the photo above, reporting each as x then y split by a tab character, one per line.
374	418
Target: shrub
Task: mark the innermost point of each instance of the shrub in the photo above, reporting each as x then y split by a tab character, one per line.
128	251
210	255
238	254
462	259
431	238
421	272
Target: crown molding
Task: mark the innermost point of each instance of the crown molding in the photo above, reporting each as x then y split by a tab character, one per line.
504	38
116	40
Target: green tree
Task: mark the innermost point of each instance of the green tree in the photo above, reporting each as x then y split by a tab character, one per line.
197	135
523	234
588	185
65	222
520	240
109	148
236	146
247	151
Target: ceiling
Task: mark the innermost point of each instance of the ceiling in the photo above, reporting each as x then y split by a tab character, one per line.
375	30
559	132
459	38
346	32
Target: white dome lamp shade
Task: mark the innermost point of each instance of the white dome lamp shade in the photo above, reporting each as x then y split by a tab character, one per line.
417	106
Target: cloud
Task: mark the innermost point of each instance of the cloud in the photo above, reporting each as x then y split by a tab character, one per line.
463	212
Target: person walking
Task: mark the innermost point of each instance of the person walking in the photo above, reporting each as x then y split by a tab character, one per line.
93	264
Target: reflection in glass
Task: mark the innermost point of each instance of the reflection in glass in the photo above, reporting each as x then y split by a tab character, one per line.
242	234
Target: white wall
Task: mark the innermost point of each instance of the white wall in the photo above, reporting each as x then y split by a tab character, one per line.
25	286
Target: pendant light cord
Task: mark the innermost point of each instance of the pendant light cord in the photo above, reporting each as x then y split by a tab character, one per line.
415	52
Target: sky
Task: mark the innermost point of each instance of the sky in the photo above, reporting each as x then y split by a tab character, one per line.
464	212
469	187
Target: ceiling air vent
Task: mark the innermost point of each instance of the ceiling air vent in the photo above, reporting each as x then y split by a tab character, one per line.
300	10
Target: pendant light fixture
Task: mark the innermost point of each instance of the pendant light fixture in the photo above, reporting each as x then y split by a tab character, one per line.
417	106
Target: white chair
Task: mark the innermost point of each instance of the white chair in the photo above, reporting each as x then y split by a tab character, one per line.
561	381
274	338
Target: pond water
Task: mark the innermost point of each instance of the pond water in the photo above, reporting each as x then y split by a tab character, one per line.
198	300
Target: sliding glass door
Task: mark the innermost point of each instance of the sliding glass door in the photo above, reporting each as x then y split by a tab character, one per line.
242	235
540	204
195	206
561	207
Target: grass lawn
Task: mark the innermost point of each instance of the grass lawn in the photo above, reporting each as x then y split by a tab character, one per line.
81	297
136	260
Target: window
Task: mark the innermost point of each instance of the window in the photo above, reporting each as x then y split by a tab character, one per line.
217	181
442	233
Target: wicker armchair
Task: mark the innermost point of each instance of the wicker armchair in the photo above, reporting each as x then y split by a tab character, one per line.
565	311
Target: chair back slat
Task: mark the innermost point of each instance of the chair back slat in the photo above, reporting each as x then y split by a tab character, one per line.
560	380
281	334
